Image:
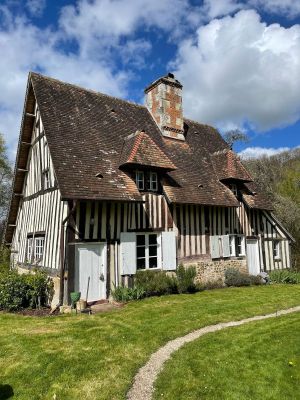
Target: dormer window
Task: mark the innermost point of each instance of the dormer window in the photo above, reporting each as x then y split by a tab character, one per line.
153	182
234	189
146	180
140	180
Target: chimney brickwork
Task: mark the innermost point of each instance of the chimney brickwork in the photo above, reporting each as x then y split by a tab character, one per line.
164	101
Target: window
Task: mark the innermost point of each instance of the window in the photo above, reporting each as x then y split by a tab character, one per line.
146	180
35	248
146	251
153	183
39	247
234	189
276	249
29	248
139	180
237	245
46	179
232	245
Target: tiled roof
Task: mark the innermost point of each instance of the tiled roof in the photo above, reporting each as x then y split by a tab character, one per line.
86	132
140	149
229	166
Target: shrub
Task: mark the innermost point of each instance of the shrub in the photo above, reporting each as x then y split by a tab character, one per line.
27	290
285	276
4	259
155	283
185	279
256	280
233	277
124	294
216	284
13	291
40	288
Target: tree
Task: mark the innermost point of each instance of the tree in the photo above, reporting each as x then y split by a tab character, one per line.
235	135
5	183
279	177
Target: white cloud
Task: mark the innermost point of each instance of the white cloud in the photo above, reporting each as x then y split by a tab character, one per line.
36	7
104	22
239	71
258	152
25	47
288	8
219	8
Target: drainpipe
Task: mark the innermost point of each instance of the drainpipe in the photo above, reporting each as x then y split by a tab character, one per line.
62	276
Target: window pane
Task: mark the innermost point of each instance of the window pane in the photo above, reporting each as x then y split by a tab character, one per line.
140	252
153	239
141	263
152	251
153	262
140	240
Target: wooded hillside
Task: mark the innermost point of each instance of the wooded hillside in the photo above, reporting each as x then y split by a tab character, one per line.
279	177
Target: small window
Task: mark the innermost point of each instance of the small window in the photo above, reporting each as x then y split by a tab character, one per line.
29	249
240	245
234	189
153	182
232	245
146	251
237	245
276	250
46	179
39	242
35	248
139	180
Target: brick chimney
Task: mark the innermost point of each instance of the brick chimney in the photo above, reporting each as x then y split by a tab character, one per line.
164	101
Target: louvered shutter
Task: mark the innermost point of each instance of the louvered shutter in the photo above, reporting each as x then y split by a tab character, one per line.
128	253
226	246
214	247
168	251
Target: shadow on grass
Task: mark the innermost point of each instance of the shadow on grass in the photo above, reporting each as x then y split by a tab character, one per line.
6	392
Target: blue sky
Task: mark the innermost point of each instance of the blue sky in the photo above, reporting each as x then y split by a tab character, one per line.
238	60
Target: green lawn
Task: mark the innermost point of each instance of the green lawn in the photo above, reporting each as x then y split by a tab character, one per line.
96	357
249	362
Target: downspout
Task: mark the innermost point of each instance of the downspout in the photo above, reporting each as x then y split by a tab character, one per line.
62	254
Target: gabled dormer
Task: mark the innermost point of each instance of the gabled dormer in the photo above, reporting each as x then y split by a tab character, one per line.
145	162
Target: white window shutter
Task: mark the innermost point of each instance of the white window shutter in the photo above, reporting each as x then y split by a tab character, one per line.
128	253
168	251
226	246
214	247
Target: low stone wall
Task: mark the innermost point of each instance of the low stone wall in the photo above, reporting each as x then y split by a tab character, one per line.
209	271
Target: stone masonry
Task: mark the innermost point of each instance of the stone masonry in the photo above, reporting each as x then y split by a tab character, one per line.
164	101
209	271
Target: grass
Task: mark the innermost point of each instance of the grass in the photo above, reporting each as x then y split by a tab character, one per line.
96	357
249	362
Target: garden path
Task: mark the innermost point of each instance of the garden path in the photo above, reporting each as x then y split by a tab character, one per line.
143	383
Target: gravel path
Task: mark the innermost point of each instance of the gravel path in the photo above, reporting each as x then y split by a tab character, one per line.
142	387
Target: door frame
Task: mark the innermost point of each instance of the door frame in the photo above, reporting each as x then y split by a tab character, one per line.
253	239
103	254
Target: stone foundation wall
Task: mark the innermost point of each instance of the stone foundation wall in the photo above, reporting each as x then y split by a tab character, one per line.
208	271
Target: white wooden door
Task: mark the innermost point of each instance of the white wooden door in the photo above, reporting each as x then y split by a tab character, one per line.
90	271
253	256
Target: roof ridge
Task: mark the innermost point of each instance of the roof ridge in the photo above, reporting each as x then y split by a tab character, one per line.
86	90
200	123
109	96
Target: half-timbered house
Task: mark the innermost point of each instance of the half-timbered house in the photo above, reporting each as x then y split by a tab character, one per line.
104	187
